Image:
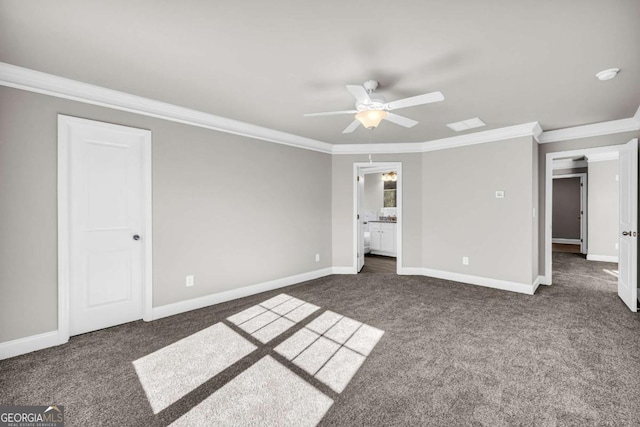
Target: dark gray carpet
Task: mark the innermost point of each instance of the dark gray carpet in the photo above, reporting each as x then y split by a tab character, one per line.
452	354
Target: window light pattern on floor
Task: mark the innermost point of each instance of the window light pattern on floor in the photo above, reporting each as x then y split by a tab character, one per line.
330	348
272	317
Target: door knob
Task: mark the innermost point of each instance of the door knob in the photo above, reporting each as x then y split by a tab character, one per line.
136	237
626	233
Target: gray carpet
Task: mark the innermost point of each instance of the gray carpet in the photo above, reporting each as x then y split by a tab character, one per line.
451	354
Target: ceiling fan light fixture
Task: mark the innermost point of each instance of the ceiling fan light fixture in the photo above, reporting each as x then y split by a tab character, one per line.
370	119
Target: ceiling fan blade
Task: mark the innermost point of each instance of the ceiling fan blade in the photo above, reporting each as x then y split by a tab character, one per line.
331	113
400	120
427	98
359	93
353	126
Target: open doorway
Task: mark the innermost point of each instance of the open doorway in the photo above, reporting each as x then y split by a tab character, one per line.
606	222
377	217
569	211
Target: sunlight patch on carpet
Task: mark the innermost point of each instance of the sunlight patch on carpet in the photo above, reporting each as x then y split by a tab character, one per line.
331	348
173	371
272	317
266	394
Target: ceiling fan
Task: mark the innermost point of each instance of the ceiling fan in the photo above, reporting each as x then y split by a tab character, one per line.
372	108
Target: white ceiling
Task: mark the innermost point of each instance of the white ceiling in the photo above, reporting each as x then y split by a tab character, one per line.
266	63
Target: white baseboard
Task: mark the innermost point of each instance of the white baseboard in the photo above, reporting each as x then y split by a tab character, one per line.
537	283
28	344
196	303
605	258
50	339
545	280
566	241
523	288
343	270
411	271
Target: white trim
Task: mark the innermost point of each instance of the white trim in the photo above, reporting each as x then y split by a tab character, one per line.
548	199
569	164
603	258
537	132
208	300
28	344
527	129
360	168
48	84
544	280
343	270
147	175
603	157
411	271
539	281
523	288
52	85
566	241
586	131
63	231
65	124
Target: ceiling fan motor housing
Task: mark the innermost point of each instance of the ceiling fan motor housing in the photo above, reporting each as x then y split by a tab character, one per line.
370	85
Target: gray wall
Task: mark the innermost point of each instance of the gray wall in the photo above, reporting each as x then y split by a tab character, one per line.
462	217
373	193
574	144
566	208
603	209
230	210
450	209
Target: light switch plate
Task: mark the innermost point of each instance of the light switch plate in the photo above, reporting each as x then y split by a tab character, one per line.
499	194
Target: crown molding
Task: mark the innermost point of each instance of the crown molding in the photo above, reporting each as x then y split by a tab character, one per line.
596	129
60	87
526	129
569	164
603	157
48	84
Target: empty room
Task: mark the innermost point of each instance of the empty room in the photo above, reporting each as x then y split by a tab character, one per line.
340	213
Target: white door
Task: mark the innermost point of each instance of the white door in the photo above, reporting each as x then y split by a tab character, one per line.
360	222
106	223
627	278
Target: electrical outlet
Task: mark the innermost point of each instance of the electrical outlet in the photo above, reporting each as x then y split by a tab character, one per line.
317	257
500	194
190	280
465	260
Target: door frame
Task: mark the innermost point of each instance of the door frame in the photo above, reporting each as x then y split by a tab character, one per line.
550	157
363	168
65	128
583	207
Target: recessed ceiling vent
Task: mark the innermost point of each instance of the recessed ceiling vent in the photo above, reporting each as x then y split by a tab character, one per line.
466	124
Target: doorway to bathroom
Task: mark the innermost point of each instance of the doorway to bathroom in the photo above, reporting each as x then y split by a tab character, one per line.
377	217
